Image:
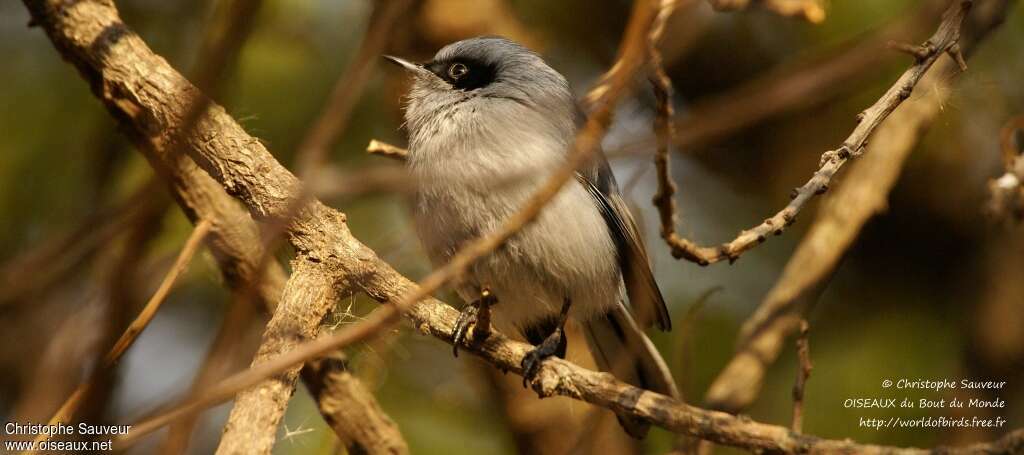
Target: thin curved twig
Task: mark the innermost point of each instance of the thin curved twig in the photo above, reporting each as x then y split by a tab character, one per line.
945	40
132	332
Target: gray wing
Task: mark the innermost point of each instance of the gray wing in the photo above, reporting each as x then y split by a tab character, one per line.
643	292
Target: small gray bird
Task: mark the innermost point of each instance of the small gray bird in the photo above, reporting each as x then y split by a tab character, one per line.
489	121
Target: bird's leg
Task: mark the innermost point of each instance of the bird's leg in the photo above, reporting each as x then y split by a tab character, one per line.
475	316
554	344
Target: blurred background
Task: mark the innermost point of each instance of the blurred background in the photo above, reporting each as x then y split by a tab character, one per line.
930	289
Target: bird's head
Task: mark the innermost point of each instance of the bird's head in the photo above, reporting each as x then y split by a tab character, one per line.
491	78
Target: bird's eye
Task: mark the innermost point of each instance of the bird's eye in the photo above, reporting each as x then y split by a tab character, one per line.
457	70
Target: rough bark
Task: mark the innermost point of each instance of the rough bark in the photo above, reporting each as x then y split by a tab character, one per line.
343	404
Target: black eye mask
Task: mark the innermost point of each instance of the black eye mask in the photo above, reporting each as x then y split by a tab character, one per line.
464	74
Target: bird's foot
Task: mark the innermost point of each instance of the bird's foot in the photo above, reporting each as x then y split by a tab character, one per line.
554	344
474	323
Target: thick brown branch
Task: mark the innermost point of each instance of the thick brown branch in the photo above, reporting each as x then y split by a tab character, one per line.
238	246
364	426
308	295
560	377
947	35
259	411
87	33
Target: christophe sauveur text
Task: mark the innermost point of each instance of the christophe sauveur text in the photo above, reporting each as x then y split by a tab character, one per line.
58	429
54	431
934	385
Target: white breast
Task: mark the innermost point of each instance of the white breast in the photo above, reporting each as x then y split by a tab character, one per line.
472	179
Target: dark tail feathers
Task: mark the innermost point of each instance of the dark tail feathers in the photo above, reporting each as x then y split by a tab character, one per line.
621	348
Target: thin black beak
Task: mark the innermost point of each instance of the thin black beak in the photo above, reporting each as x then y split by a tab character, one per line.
404	63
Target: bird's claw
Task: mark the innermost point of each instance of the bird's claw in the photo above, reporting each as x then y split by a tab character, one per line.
475	320
553	345
466	319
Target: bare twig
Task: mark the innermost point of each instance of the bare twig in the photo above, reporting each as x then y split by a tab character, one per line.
664	130
942	41
662	87
803	354
137	326
147	313
387	150
119	264
808	10
862	195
